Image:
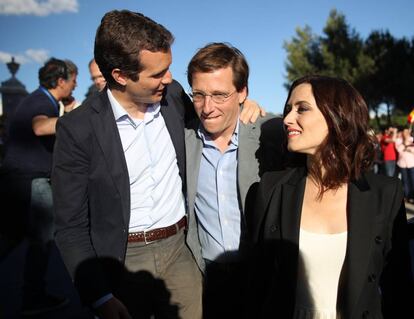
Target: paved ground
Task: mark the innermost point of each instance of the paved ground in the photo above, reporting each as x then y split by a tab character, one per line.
58	282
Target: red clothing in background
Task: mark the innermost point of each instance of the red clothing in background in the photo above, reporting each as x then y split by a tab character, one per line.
388	149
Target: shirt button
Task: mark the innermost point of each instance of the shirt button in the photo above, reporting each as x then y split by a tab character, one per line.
372	278
274	228
378	240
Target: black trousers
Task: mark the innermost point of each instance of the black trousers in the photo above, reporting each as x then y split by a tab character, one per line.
224	290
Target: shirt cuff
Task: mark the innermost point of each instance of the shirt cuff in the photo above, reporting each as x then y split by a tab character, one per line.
102	300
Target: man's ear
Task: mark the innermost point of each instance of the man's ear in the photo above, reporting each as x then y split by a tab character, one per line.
242	95
119	77
60	82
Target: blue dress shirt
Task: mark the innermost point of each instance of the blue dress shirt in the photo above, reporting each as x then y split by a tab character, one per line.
216	203
155	183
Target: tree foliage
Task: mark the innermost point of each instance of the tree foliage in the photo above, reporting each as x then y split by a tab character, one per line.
380	67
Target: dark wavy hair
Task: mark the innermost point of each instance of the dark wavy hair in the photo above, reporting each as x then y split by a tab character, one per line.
216	56
348	150
51	71
120	38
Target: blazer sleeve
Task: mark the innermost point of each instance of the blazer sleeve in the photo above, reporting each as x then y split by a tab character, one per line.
396	280
70	195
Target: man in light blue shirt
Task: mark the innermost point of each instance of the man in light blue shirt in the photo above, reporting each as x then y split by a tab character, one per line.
119	181
224	158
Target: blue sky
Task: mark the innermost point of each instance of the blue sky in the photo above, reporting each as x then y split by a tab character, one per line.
34	30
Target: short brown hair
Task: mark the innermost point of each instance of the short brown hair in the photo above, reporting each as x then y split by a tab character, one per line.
51	71
348	150
216	56
72	68
120	38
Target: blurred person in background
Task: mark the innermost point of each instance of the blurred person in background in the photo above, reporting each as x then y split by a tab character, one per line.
405	148
378	157
25	180
388	150
97	78
68	103
96	75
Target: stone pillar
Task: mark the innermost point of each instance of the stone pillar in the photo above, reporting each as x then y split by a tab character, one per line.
12	90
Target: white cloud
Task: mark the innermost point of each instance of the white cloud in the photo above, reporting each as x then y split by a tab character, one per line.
37	7
31	55
40	56
6	57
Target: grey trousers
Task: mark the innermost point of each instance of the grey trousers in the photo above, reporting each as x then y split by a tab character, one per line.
173	278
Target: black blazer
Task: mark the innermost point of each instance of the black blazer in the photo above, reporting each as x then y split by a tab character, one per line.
91	189
375	280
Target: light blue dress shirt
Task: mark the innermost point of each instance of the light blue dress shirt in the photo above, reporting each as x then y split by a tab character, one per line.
155	184
156	187
216	202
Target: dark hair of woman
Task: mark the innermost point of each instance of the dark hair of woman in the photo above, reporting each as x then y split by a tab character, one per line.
348	150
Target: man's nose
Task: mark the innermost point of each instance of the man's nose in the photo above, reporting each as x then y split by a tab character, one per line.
208	104
167	79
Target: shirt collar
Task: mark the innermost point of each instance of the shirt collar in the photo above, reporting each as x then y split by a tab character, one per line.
51	97
205	136
120	113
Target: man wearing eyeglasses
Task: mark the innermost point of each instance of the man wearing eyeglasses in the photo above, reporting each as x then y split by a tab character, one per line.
224	158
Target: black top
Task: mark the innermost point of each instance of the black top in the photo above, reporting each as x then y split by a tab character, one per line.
27	153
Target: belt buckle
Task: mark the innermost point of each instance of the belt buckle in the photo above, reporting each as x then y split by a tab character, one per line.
145	238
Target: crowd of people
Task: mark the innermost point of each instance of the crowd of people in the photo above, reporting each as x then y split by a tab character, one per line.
164	205
395	157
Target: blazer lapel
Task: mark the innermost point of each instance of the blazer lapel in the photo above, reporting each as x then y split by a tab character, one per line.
289	203
104	125
287	243
194	150
292	193
175	127
361	214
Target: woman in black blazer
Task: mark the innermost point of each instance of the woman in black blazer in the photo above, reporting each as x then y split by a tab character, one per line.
330	237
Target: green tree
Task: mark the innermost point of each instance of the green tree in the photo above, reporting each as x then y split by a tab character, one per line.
392	81
381	67
376	85
303	54
339	52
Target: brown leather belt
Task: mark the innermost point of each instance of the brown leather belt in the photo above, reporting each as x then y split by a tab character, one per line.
158	233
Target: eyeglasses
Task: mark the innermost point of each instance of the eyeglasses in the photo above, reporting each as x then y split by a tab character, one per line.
199	97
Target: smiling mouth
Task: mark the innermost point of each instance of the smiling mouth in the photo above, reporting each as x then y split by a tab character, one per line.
293	133
209	117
